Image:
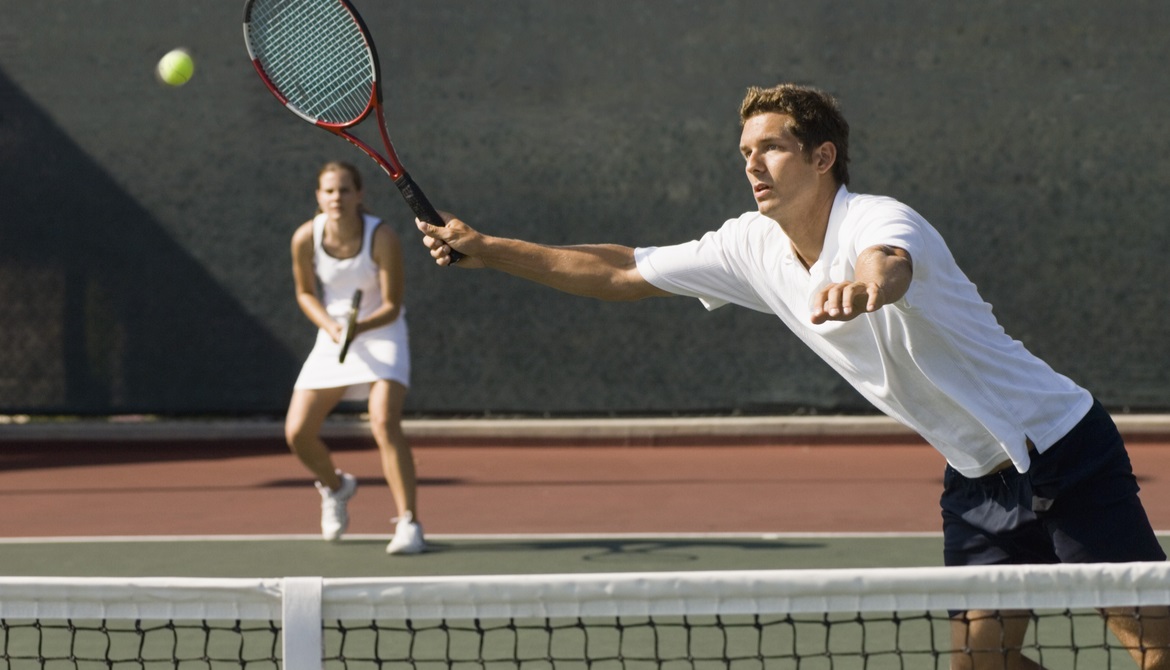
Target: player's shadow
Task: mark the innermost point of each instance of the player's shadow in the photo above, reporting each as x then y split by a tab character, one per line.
368	482
638	550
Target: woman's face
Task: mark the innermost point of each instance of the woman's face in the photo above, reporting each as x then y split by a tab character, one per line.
336	194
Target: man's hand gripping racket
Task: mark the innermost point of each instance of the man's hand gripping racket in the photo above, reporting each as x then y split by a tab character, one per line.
350	330
440	241
318	59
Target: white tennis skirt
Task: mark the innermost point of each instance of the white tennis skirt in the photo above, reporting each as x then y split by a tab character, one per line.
373	355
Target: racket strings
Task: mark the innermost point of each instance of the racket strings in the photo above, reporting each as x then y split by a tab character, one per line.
315	55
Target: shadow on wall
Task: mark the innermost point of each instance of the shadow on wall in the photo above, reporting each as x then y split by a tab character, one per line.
100	310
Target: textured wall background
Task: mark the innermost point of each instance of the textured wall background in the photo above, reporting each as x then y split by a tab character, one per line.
144	231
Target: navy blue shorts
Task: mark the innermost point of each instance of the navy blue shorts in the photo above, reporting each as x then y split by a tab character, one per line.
1078	503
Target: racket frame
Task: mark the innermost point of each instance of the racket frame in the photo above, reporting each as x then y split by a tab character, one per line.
390	163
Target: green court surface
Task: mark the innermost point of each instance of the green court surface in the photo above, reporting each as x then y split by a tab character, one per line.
364	556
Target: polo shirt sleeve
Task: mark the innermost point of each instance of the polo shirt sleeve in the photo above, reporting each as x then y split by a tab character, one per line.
894	224
891	224
700	269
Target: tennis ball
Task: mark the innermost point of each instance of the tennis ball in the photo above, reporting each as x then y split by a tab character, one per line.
176	67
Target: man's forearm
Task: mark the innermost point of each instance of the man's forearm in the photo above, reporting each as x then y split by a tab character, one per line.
603	271
888	267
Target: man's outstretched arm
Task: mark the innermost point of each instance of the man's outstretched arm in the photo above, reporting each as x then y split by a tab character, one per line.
603	271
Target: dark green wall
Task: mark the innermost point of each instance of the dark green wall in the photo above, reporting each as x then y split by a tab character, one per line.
144	230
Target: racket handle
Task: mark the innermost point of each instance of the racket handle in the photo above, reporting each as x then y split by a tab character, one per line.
421	206
350	323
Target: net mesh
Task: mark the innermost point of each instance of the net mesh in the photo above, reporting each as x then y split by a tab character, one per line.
139	644
872	619
315	54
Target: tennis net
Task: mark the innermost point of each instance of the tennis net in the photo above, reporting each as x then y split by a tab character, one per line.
868	618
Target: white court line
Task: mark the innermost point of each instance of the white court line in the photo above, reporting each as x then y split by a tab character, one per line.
509	537
550	537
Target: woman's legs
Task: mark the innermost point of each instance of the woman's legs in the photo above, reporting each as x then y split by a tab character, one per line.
302	431
386	401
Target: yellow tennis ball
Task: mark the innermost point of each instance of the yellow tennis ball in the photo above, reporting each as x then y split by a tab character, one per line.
176	67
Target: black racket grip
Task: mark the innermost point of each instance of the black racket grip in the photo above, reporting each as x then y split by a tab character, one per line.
350	324
421	206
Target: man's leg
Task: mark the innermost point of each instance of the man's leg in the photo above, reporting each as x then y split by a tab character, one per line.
990	640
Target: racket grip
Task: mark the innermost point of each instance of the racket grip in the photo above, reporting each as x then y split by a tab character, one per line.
422	207
350	323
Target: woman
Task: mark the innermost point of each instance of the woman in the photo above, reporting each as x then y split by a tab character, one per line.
340	250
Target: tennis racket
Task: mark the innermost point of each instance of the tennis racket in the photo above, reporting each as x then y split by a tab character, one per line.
350	331
318	59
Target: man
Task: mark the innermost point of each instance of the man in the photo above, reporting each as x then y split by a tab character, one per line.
1037	472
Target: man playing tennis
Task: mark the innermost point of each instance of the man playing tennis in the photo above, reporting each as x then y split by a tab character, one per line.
1037	472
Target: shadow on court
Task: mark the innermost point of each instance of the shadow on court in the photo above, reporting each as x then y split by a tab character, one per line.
365	556
49	454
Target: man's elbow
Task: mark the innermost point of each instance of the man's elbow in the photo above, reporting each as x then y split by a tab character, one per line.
628	287
900	274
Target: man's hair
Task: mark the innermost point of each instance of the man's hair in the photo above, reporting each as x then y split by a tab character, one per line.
815	114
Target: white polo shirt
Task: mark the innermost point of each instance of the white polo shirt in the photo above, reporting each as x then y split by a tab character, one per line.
936	360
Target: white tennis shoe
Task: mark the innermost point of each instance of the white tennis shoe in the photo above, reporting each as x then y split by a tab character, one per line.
334	515
408	537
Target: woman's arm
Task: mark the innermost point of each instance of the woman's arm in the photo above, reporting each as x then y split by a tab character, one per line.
305	282
387	253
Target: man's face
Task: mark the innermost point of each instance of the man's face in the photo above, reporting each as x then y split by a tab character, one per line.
780	173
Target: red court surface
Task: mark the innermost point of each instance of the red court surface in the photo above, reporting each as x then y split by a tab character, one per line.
254	486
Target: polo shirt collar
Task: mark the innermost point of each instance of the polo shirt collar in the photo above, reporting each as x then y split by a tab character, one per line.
819	272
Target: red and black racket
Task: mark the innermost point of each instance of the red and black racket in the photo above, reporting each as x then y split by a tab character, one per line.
318	59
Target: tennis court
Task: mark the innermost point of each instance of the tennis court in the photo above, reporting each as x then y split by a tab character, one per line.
581	500
582	496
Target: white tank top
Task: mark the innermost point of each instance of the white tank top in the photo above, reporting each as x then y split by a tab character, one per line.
382	353
340	277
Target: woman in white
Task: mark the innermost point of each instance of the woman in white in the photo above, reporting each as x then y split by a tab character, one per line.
340	250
